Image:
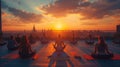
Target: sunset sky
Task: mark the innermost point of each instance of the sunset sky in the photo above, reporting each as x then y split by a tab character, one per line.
60	14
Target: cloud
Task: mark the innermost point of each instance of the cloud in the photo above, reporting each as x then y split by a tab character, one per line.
98	9
9	20
24	16
61	7
102	8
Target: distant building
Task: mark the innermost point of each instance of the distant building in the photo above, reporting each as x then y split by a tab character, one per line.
0	28
34	29
0	24
118	28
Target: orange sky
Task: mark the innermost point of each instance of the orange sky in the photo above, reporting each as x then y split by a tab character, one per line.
70	22
59	15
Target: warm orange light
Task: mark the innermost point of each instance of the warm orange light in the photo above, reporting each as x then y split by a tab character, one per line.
58	26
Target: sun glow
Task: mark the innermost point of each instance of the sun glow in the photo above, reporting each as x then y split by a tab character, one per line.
59	26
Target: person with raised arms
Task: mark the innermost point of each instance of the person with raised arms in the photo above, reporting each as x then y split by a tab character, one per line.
59	56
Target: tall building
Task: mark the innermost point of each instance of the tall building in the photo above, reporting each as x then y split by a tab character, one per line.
118	28
0	28
0	24
34	30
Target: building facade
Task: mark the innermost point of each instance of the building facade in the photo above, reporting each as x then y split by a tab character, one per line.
0	28
118	28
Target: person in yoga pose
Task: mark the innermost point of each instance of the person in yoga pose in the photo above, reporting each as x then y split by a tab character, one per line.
25	50
101	50
59	56
59	44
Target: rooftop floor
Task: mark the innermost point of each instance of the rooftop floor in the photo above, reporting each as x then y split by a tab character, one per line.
11	58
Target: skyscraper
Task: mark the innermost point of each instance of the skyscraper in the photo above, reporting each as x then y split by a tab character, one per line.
0	24
34	30
0	28
118	28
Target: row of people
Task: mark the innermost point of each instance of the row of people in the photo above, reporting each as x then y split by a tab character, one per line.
60	57
101	48
21	43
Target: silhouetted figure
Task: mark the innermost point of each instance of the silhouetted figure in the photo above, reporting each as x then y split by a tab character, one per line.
101	50
59	44
59	56
12	44
25	50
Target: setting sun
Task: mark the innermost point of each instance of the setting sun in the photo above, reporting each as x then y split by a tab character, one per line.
59	26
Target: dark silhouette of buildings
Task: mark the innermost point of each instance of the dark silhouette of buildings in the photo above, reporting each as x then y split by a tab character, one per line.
0	24
118	28
0	28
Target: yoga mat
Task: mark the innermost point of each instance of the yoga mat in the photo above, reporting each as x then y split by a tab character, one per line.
89	57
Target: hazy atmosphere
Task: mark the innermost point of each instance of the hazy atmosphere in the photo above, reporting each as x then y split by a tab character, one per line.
60	14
